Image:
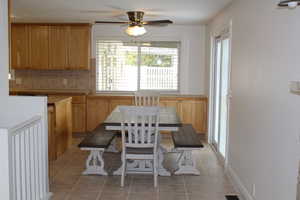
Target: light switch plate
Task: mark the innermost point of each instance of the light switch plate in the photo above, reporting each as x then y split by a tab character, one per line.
295	87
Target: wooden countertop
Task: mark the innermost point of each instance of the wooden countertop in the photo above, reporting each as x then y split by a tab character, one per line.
97	95
48	92
128	96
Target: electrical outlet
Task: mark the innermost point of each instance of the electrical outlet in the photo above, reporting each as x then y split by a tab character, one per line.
65	82
18	81
253	190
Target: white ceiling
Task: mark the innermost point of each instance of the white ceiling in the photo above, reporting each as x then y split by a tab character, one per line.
180	11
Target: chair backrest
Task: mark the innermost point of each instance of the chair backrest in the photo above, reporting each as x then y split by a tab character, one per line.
147	98
141	125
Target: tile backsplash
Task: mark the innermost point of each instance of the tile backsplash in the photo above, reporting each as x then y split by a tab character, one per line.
54	79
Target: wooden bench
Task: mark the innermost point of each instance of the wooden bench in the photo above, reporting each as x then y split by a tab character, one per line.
97	142
185	141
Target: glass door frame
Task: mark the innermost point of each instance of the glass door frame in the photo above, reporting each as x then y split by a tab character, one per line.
225	33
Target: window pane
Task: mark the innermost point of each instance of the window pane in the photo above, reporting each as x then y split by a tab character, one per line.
159	66
116	66
120	65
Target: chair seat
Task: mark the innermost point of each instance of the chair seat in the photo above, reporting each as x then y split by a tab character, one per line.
130	150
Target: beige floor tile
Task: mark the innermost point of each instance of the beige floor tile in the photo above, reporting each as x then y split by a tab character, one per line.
207	196
59	195
116	181
59	187
139	196
120	196
172	188
172	196
174	180
142	179
83	195
67	183
115	189
209	189
143	188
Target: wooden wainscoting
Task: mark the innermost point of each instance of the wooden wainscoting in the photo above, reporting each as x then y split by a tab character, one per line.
191	109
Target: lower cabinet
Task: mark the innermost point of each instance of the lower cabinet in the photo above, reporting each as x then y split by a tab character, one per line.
191	110
97	111
59	127
79	117
78	112
51	135
194	112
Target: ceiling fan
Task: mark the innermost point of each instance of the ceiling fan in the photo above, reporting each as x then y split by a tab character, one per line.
136	23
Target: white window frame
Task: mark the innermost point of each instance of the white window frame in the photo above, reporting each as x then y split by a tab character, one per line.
138	78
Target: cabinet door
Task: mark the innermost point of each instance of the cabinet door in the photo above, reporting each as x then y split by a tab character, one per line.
195	113
97	111
39	46
58	46
79	47
19	46
79	118
51	135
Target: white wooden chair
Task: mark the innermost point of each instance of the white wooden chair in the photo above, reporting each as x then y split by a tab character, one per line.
147	98
141	124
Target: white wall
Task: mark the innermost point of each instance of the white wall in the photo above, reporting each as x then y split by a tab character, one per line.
192	74
264	116
3	49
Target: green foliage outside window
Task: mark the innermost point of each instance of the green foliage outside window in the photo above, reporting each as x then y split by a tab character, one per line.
150	60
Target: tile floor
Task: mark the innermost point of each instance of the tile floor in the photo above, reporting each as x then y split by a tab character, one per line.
67	183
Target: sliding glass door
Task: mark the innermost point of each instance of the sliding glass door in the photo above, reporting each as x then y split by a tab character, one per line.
220	90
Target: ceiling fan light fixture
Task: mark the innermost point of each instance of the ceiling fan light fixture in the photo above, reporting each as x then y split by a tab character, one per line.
135	30
289	3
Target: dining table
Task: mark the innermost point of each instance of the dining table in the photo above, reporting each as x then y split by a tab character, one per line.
168	121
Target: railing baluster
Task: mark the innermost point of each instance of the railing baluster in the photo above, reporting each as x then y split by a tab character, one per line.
36	163
32	178
28	164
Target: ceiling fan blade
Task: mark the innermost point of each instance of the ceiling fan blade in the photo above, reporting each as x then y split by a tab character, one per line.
158	22
110	22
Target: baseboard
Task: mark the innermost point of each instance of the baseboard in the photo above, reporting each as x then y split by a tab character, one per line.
238	185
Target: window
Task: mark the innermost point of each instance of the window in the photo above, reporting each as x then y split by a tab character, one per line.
127	66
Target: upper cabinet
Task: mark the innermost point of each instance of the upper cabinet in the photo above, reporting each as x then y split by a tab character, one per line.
19	46
79	50
50	46
38	46
58	47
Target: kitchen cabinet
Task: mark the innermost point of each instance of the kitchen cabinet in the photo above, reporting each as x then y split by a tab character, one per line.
38	47
193	112
190	109
51	46
60	123
97	111
58	47
51	135
79	118
20	46
78	112
79	47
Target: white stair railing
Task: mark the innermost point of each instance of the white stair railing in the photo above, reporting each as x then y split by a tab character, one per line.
28	161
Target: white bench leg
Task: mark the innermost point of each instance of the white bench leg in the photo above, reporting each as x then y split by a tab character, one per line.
161	169
95	163
186	163
112	147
